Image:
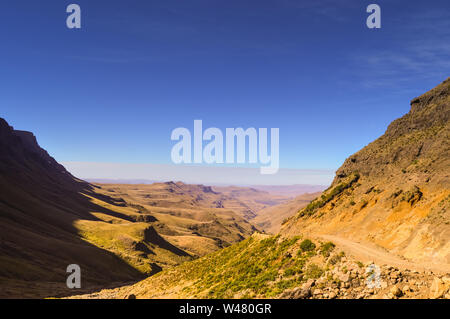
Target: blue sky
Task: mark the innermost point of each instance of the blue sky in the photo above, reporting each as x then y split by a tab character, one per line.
114	90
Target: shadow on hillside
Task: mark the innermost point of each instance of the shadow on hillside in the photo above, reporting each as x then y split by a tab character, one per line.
40	202
152	236
38	239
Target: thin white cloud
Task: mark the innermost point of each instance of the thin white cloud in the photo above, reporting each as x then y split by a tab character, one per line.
421	52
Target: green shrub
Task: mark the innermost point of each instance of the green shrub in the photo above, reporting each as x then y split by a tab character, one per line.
289	272
327	248
313	271
328	196
307	245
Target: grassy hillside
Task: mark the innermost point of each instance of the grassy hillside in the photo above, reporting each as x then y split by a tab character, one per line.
261	266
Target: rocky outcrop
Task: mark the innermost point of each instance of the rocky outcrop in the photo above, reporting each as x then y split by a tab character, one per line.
20	148
422	135
350	279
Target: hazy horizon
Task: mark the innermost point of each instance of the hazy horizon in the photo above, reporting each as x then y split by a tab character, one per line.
191	174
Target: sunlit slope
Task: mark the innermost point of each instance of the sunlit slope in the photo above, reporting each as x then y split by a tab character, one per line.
395	192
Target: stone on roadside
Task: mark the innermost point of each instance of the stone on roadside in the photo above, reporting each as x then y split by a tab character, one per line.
396	291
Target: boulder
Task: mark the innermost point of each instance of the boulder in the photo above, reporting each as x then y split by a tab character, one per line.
344	277
395	291
332	295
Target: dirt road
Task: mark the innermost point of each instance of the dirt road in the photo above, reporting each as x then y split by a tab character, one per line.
367	252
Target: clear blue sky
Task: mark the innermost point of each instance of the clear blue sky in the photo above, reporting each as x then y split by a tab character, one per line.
114	90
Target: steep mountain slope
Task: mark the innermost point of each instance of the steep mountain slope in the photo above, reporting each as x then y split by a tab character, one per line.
395	192
270	219
39	203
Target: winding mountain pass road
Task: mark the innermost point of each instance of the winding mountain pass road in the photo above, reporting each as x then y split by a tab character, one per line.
370	252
